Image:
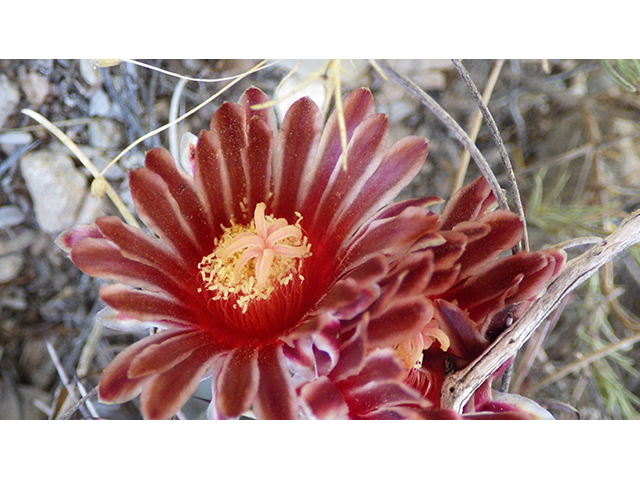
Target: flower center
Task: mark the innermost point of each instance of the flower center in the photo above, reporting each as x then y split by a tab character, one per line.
251	261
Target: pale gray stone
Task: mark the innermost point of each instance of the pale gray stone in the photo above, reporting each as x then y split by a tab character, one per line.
10	216
90	72
10	141
99	104
10	266
57	188
9	99
35	87
105	134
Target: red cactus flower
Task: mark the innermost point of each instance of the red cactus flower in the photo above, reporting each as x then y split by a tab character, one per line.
475	295
257	257
453	280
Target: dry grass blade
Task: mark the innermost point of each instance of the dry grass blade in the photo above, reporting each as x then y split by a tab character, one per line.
111	193
186	115
86	397
584	361
336	90
460	386
310	78
65	379
182	117
504	156
453	127
187	78
475	126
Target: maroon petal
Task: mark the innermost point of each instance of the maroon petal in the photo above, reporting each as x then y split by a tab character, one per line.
468	203
159	211
466	340
183	190
237	383
257	157
135	245
493	279
276	399
115	385
257	160
165	393
391	236
357	106
351	295
404	319
352	354
400	164
160	357
149	307
442	281
505	231
70	238
524	286
365	151
322	400
447	254
370	397
397	413
228	127
252	97
101	258
414	273
212	180
294	156
301	358
380	366
327	345
535	281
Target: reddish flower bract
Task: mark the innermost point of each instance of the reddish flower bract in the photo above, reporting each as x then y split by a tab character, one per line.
439	306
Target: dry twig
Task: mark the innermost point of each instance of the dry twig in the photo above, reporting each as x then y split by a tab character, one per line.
475	126
460	386
453	127
504	156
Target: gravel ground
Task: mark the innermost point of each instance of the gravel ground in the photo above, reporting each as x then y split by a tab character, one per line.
571	131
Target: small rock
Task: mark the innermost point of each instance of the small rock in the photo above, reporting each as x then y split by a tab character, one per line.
35	87
90	72
9	99
10	141
99	104
56	186
105	134
10	266
10	216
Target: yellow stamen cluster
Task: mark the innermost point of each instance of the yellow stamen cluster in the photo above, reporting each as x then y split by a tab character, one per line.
410	351
250	261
